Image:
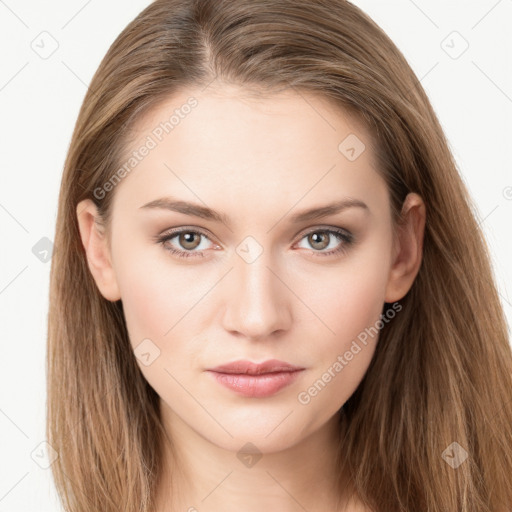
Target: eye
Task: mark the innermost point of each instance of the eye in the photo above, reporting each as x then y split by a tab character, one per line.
188	239
321	239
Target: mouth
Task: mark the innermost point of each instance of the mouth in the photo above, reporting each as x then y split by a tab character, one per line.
257	380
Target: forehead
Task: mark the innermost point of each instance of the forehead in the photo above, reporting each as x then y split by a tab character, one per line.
294	120
230	144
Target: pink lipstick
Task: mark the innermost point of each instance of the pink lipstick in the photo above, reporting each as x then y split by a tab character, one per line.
256	379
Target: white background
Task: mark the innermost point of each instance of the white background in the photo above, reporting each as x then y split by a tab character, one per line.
39	103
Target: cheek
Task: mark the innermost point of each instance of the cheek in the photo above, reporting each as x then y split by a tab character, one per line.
159	296
350	305
158	303
357	303
155	293
351	297
146	304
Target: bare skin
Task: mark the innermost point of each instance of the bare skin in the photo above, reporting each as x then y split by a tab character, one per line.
258	161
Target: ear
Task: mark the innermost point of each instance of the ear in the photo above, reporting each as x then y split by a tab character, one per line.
407	248
95	242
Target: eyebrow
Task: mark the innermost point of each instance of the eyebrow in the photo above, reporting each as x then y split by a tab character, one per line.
317	212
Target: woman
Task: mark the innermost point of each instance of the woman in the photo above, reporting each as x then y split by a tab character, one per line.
270	290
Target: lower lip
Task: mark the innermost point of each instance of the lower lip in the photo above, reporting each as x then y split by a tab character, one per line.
259	386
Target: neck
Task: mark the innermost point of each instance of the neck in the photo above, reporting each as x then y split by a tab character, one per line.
202	476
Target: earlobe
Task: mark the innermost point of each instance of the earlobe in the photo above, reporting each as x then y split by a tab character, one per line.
99	259
408	248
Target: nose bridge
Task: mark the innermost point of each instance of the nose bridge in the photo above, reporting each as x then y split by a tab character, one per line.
256	300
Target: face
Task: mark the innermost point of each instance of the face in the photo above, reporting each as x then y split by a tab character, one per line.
216	259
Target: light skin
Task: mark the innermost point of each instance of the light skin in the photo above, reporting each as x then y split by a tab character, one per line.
257	161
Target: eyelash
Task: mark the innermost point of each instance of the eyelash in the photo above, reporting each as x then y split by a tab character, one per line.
342	235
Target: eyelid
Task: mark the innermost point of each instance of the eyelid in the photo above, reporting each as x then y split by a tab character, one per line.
207	234
181	229
168	234
344	236
314	229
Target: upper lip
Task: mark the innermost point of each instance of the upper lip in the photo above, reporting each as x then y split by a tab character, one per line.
250	368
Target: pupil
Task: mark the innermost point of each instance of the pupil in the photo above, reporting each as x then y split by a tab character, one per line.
317	239
187	240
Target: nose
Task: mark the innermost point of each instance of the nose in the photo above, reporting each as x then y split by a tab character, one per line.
257	302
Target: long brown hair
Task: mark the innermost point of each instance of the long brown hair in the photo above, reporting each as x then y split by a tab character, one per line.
442	370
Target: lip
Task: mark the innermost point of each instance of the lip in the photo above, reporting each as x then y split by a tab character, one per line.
243	366
256	379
